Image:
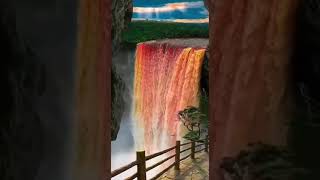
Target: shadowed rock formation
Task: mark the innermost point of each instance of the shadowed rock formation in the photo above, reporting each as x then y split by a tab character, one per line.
36	131
23	80
49	28
306	64
306	124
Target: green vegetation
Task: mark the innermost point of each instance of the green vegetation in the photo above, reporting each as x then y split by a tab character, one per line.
194	121
140	31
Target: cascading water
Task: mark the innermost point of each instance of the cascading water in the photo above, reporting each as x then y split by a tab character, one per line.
167	77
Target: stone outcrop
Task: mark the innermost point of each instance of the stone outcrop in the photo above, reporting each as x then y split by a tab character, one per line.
22	79
251	47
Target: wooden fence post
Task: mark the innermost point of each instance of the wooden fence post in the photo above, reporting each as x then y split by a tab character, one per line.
193	147
141	159
206	149
177	158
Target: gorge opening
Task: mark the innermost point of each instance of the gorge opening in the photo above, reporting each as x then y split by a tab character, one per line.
160	64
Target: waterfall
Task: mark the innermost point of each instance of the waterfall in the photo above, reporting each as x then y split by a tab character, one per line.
166	80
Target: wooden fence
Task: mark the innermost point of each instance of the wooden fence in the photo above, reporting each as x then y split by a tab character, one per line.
141	159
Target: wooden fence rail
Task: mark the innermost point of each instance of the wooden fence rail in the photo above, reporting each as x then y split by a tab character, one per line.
141	159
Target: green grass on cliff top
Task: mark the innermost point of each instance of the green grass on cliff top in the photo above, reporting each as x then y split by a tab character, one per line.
140	31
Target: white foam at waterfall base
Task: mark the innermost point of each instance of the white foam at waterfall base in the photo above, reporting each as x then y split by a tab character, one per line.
121	157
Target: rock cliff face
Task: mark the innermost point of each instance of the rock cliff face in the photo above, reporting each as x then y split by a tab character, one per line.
251	46
121	16
307	85
49	28
21	134
306	62
38	88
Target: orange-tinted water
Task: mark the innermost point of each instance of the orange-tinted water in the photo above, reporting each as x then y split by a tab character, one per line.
166	81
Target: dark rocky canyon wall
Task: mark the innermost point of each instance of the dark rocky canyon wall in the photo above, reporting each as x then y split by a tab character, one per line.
250	65
21	135
306	72
43	49
38	41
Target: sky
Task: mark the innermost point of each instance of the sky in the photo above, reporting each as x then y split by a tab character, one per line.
170	10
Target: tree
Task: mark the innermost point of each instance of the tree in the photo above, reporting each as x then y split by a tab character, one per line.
195	121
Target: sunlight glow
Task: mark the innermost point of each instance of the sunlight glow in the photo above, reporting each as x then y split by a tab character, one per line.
204	20
169	7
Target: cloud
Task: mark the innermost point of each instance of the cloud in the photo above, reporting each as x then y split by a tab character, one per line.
204	20
204	12
169	7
